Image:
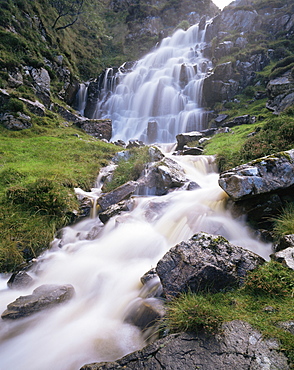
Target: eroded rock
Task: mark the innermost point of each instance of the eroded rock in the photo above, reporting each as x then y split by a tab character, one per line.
45	296
204	262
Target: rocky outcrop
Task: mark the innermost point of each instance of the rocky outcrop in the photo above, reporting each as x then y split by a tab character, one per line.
265	175
42	82
16	122
239	346
45	296
34	107
281	93
204	261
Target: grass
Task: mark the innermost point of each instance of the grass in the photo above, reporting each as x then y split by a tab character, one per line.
284	224
265	300
39	168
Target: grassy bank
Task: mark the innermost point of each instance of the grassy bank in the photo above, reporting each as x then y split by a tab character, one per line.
39	169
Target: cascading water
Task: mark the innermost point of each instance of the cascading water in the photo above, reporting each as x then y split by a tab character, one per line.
104	263
161	97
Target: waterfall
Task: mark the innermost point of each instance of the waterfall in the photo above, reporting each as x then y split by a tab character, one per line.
104	263
161	96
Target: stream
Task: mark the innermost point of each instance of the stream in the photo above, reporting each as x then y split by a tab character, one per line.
104	263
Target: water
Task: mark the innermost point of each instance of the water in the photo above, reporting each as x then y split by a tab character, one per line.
164	88
105	263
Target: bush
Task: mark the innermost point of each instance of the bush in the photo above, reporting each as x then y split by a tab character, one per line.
10	176
271	279
284	224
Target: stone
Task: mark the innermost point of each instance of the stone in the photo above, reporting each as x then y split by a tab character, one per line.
192	151
42	82
67	114
264	175
114	210
240	120
204	262
286	257
117	195
281	93
238	346
43	297
186	138
287	326
134	144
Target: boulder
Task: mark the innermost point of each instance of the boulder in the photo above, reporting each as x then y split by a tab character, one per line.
42	82
240	120
238	346
114	210
286	257
264	175
186	138
66	114
204	262
117	195
99	128
45	296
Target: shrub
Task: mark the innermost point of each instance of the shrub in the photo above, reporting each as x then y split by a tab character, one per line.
10	176
271	279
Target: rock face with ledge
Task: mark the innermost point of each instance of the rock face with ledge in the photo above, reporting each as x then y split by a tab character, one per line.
264	175
238	346
204	261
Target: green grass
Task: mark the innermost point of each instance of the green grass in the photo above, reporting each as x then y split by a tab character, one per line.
284	223
269	286
39	168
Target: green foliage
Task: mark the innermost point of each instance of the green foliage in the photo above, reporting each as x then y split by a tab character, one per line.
183	25
128	170
9	176
13	105
271	279
191	312
284	223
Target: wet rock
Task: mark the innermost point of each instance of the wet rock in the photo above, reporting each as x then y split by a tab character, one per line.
45	296
117	195
114	210
19	280
186	138
238	346
285	241
161	177
16	122
204	262
286	257
264	175
192	151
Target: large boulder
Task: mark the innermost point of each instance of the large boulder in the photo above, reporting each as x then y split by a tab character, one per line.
42	82
264	175
16	122
204	262
238	346
45	296
281	93
99	128
286	257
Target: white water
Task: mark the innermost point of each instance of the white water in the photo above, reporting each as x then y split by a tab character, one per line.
105	271
164	87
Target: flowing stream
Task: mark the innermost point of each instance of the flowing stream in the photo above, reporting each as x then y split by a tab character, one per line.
104	263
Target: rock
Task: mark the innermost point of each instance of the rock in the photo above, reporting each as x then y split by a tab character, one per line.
220	118
286	257
240	120
152	129
15	78
285	241
42	81
186	138
19	279
16	122
34	107
264	175
192	151
45	296
238	346
99	128
204	262
160	177
114	210
281	93
135	144
287	325
67	114
117	195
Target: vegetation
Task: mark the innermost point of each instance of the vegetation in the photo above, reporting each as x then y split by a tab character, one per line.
284	224
39	169
265	300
